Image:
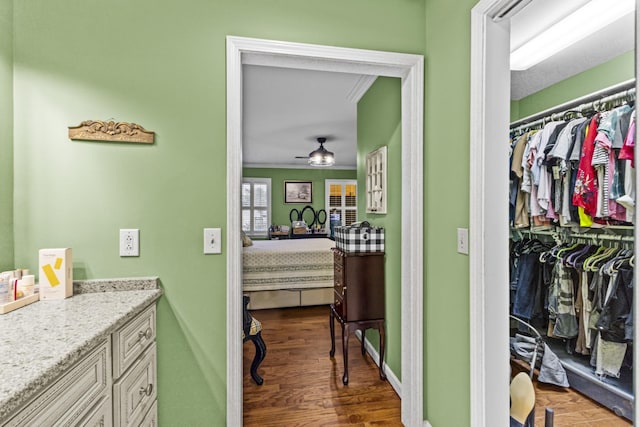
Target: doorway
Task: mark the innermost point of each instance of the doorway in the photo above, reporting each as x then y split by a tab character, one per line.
409	68
489	213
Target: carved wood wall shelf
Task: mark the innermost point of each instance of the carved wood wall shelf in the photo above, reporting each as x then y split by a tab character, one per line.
98	130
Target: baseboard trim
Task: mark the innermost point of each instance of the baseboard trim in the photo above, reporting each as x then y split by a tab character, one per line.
375	356
391	376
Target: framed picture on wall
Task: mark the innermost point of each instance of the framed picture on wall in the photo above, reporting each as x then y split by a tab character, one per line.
297	191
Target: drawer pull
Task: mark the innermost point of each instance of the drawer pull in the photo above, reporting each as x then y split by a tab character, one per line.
344	288
145	335
147	390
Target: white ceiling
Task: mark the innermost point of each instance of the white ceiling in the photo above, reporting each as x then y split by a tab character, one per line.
286	109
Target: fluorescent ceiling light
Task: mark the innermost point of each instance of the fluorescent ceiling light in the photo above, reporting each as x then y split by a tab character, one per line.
585	21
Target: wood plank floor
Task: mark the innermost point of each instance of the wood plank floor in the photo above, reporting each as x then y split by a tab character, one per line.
303	385
571	409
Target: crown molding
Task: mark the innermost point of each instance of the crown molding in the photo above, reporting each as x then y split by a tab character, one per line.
360	87
288	166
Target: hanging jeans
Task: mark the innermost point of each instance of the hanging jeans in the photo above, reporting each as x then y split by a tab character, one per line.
526	285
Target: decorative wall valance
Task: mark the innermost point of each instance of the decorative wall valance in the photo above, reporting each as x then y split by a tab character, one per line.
98	130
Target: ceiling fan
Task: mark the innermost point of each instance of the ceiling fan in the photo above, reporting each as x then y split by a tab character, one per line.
320	157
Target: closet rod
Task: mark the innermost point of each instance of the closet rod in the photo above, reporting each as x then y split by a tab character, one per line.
628	86
581	109
602	237
591	236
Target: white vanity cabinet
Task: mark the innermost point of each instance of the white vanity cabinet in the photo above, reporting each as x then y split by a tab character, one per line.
75	396
134	370
113	385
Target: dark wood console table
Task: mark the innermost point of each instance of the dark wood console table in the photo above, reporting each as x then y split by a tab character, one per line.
358	301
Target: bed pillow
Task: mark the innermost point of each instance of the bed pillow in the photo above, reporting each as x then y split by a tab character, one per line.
246	240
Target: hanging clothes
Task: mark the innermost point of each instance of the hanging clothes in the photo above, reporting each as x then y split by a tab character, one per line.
585	192
583	292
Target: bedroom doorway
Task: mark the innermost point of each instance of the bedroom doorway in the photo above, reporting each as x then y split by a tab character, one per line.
409	68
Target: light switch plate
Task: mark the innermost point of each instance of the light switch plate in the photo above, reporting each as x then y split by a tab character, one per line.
463	241
212	241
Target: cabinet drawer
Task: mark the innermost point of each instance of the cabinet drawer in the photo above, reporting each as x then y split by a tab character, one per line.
135	392
151	419
337	270
73	396
337	285
101	415
338	258
131	340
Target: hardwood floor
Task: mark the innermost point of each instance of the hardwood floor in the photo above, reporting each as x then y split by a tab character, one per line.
303	385
571	409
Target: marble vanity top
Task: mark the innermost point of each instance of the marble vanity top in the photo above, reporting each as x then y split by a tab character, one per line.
39	341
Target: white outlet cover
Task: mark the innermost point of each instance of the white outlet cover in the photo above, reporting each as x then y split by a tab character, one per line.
129	242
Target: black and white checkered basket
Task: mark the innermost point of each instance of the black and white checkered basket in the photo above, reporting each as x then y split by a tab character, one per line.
360	237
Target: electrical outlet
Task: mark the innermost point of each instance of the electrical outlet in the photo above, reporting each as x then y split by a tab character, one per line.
129	242
212	241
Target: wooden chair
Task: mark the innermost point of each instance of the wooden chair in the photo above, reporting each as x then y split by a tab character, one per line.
252	330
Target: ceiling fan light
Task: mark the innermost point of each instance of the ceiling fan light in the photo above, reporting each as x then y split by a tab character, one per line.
321	157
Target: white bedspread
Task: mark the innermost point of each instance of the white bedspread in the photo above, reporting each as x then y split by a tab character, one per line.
288	264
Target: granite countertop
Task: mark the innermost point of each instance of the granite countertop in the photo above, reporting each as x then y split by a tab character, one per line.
39	341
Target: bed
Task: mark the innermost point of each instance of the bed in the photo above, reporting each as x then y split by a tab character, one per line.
288	273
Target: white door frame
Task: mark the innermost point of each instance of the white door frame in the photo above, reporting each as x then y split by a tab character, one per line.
488	218
490	94
408	67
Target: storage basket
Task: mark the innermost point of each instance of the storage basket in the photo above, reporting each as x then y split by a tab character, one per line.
359	237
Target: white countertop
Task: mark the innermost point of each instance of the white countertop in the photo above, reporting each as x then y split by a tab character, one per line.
38	342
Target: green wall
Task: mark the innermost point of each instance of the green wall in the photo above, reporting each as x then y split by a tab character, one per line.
379	123
619	69
6	135
162	65
446	207
279	209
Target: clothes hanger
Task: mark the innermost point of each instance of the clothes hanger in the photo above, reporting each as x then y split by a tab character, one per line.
606	255
586	263
562	251
574	258
591	263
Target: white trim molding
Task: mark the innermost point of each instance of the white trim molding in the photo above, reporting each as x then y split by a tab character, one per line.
289	166
361	87
488	217
375	357
408	67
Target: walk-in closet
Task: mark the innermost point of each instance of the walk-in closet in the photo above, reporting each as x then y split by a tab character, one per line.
572	199
571	255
